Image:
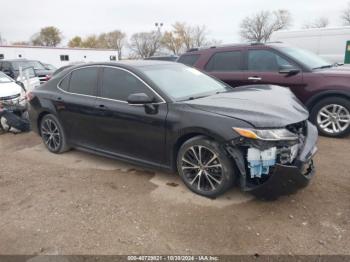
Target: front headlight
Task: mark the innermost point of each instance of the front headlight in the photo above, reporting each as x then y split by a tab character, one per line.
266	134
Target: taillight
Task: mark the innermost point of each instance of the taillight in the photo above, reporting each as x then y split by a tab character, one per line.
47	77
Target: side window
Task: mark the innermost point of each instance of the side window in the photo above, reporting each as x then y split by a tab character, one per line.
65	83
118	84
84	81
225	61
188	59
266	61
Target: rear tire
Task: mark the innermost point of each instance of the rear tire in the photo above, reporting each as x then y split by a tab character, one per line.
332	116
204	167
52	134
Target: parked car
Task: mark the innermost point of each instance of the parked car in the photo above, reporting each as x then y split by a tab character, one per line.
12	68
10	90
171	116
323	87
163	58
50	67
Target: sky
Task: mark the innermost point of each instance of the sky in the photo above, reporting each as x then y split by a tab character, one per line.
20	19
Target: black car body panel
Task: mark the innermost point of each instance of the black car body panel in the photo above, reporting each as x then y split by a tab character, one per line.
152	134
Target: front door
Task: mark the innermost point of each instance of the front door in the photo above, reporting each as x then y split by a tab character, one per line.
227	66
263	67
135	131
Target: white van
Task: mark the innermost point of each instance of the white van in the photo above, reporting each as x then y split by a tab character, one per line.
329	43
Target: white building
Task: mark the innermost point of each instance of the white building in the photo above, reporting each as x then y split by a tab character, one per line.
58	56
330	43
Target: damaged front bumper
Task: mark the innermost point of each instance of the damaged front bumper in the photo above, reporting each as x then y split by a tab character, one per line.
282	178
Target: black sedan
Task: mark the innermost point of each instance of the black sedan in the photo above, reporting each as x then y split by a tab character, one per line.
170	116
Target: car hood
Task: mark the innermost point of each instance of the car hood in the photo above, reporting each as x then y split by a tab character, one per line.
343	70
44	72
9	89
263	106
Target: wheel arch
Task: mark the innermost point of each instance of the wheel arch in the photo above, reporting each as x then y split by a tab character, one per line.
185	136
326	94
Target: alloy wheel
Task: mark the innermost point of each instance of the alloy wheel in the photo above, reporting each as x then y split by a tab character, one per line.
333	118
51	134
202	168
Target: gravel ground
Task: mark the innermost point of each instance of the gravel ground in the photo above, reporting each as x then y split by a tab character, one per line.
77	203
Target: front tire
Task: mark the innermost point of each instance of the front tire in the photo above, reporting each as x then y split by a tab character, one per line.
332	116
204	167
53	135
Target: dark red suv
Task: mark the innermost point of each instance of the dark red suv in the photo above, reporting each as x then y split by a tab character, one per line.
324	88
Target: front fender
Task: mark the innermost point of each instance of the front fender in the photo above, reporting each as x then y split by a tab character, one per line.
323	94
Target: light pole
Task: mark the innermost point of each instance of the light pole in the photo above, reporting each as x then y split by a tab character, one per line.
158	26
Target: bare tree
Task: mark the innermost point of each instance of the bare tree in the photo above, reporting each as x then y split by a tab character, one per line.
320	22
346	15
184	36
172	42
260	26
145	44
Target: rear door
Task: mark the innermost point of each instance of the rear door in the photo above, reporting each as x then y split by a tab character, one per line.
76	105
136	131
227	66
263	66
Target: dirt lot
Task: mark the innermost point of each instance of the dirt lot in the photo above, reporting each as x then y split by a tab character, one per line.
77	203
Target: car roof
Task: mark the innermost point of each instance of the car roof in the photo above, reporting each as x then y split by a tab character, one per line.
127	63
229	46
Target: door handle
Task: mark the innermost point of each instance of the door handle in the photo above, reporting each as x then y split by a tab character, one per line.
254	78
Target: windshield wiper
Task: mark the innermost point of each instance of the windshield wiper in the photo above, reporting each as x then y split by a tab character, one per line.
323	67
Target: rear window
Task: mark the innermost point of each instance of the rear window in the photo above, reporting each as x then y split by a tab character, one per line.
225	61
188	59
65	83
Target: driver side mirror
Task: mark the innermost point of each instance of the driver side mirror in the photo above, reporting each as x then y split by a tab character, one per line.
140	99
288	70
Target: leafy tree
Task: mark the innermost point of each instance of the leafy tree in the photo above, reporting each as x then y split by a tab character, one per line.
90	42
260	26
75	42
113	40
20	43
48	36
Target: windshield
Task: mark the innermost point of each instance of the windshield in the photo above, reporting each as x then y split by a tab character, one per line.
306	58
181	82
35	64
4	78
